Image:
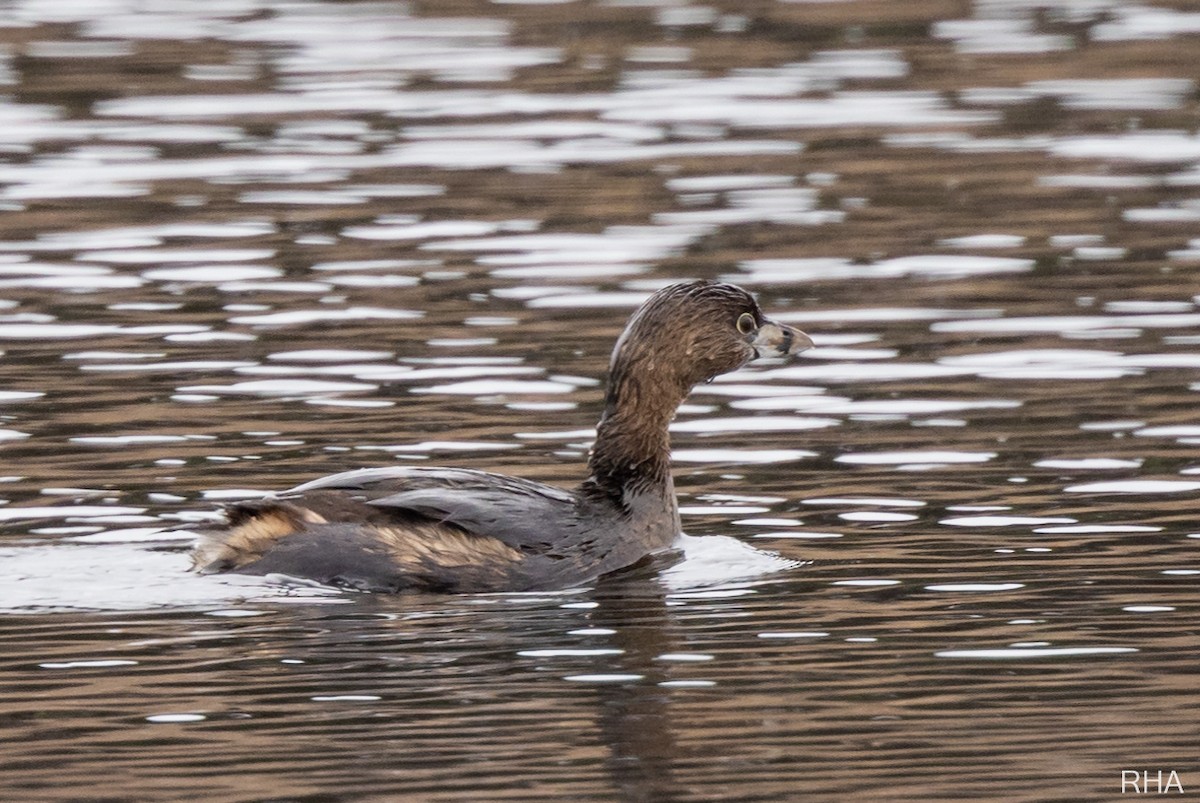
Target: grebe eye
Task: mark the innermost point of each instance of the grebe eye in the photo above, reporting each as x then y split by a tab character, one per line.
746	323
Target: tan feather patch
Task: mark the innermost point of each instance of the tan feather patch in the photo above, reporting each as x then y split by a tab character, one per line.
423	546
247	540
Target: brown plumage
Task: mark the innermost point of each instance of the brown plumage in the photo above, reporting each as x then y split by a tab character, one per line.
459	530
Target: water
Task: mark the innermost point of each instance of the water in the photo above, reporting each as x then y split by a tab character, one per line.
950	553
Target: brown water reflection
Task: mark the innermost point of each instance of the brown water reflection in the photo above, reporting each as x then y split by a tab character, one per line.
244	244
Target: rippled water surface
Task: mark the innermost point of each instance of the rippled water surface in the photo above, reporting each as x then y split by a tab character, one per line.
951	553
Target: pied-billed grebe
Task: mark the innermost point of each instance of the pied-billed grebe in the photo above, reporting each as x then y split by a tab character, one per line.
457	530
